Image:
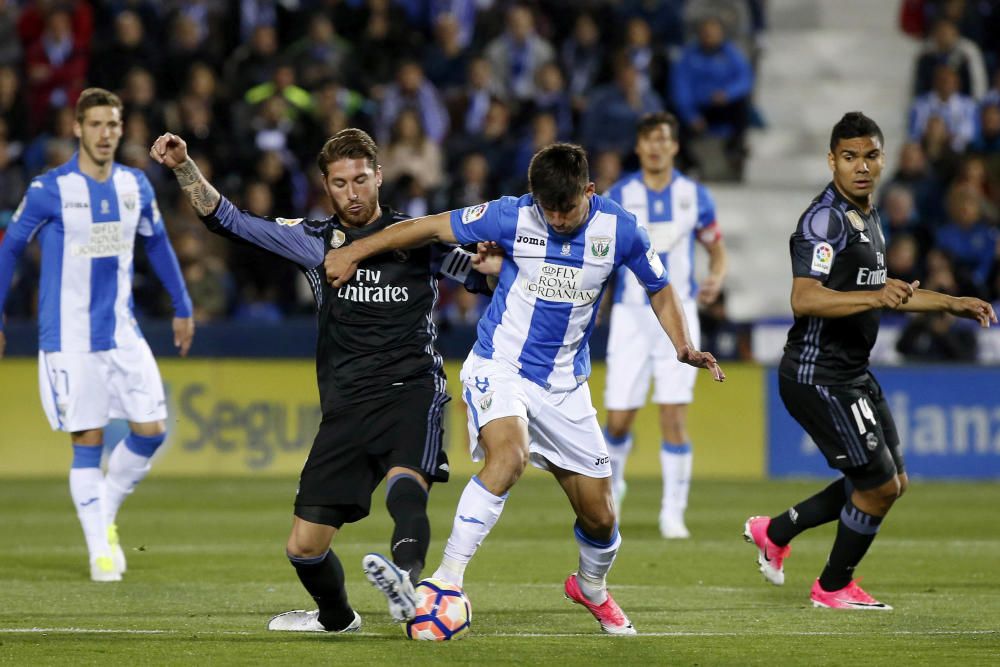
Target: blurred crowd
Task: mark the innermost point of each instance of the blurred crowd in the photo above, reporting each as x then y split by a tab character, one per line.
941	207
458	93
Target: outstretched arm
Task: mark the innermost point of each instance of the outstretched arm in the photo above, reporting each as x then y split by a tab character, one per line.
288	238
671	316
341	263
924	301
810	298
171	151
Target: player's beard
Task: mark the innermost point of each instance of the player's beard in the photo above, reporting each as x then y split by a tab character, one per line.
359	218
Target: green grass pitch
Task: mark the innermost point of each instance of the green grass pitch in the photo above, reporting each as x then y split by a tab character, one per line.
206	571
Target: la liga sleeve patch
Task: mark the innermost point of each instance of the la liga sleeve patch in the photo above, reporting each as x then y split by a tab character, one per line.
822	258
473	213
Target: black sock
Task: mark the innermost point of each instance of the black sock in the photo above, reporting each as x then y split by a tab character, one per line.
323	577
407	503
821	508
855	533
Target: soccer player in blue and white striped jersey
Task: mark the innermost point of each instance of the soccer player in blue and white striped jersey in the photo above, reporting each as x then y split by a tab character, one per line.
525	381
94	364
677	213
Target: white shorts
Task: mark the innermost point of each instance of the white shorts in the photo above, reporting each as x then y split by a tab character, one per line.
85	390
562	426
639	349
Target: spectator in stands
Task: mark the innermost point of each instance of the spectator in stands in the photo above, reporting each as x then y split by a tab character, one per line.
518	53
736	17
186	45
446	60
987	143
253	63
321	53
10	44
944	101
607	170
649	58
12	183
494	141
902	258
411	151
972	177
47	144
205	275
470	105
899	216
544	131
384	40
937	337
582	59
13	106
411	89
664	18
970	241
614	109
711	84
473	185
56	67
938	145
915	174
139	95
552	98
129	48
282	84
946	46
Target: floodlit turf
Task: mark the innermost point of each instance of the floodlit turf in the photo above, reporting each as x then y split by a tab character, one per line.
206	570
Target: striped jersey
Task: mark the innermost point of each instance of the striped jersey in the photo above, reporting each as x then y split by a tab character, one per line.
675	217
543	310
86	230
842	247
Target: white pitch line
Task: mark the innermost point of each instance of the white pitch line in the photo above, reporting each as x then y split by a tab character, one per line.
679	633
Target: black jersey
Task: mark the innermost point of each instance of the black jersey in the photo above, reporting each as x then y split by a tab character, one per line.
842	247
376	331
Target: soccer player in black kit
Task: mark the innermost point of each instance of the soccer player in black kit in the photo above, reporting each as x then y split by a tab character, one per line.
839	290
381	382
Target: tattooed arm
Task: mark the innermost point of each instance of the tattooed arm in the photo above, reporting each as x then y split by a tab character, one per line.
171	151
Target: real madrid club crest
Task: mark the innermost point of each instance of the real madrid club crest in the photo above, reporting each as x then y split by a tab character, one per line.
337	238
401	255
856	220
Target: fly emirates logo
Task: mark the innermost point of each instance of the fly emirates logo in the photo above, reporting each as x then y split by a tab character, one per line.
561	284
868	276
365	288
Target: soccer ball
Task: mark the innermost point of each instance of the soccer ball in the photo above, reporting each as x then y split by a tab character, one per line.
443	612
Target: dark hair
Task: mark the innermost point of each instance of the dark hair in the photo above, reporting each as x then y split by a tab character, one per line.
854	124
558	175
97	97
651	121
350	143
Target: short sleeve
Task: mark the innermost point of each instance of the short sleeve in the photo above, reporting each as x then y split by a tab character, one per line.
644	262
490	221
821	234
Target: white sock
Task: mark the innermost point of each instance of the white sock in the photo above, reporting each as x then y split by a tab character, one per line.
596	559
676	463
85	488
126	468
477	512
618	450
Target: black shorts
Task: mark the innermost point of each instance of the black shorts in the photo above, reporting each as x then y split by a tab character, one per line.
852	426
358	444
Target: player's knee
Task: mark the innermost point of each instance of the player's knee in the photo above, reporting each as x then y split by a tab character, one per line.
617	428
599	523
405	498
298	546
904	483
